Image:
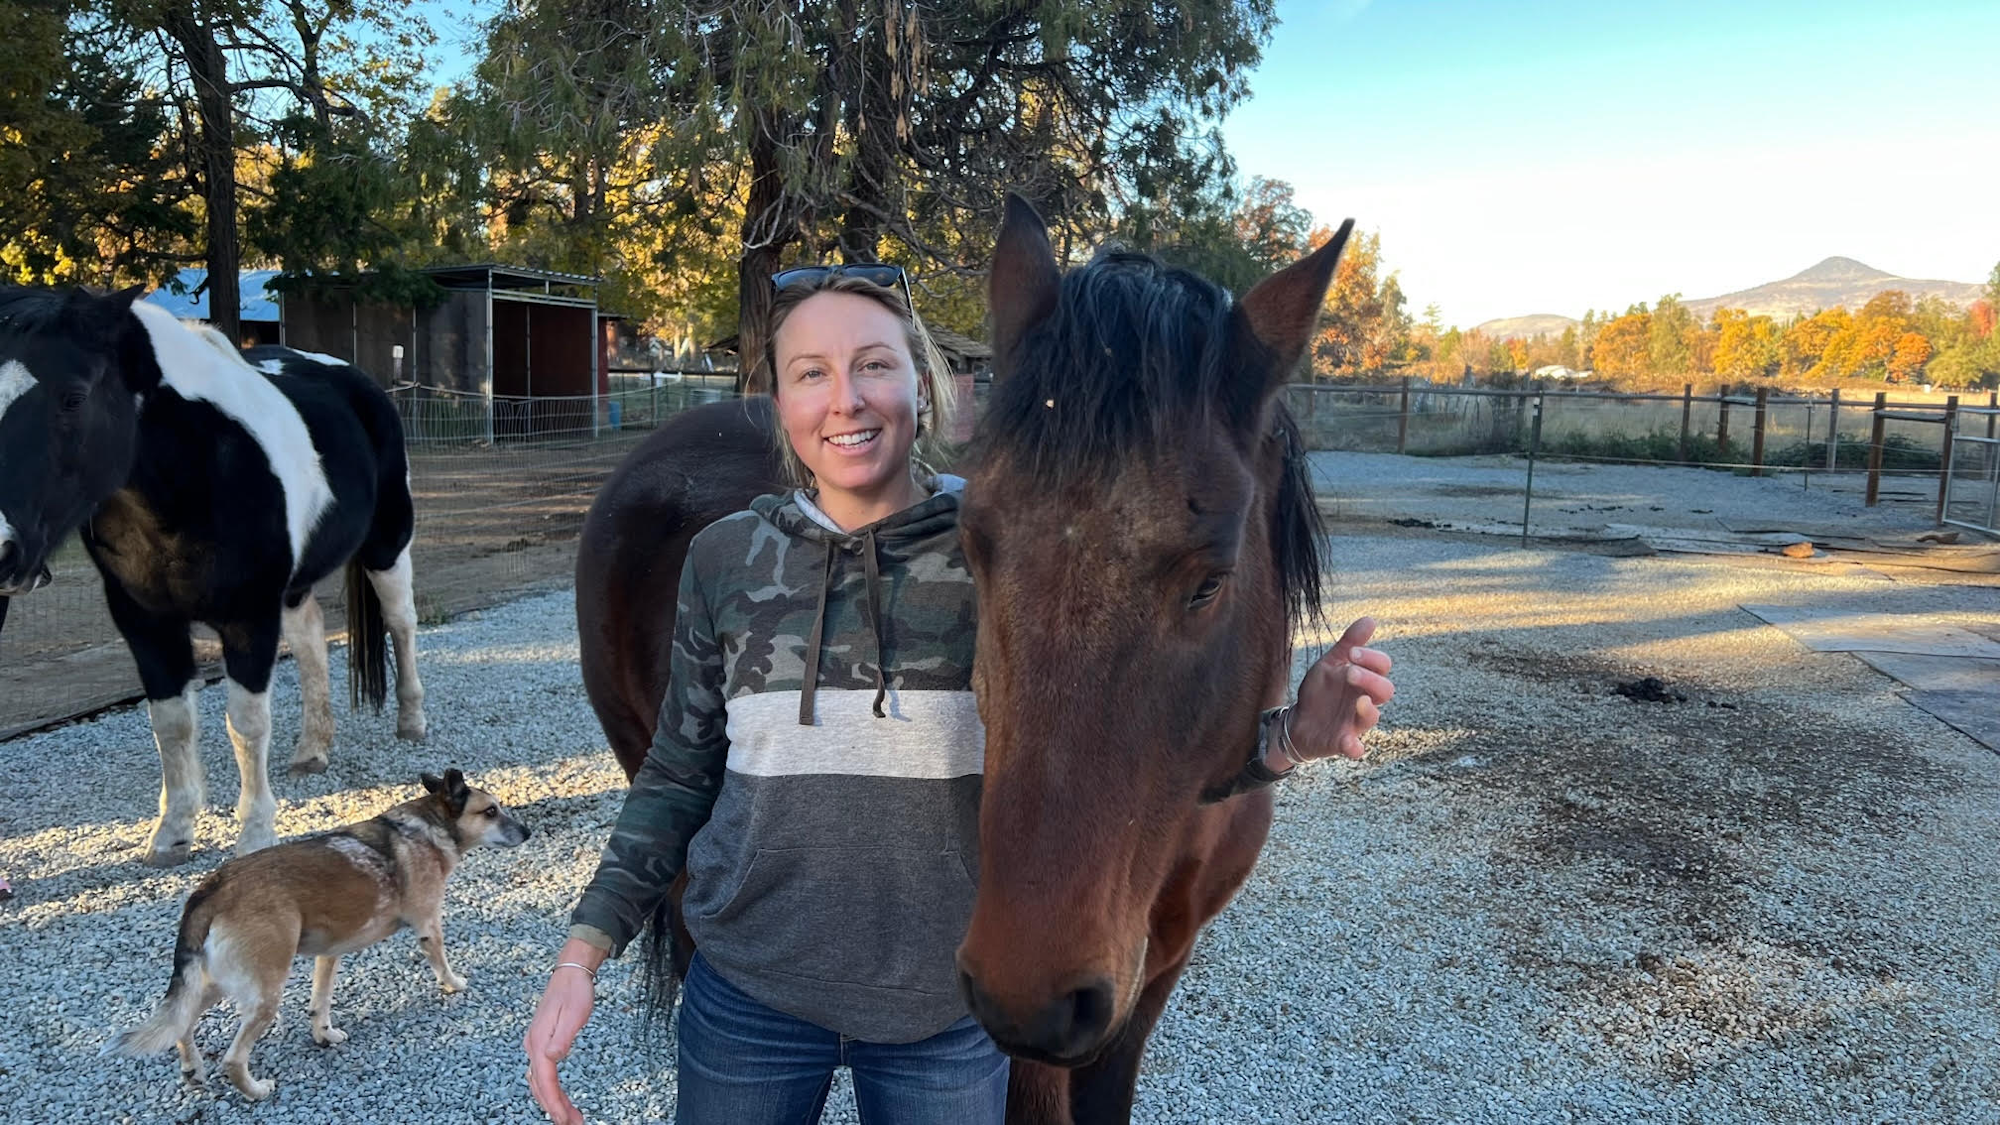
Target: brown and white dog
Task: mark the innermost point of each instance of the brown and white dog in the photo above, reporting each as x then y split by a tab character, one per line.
322	896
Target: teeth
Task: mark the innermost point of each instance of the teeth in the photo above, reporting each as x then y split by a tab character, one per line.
854	439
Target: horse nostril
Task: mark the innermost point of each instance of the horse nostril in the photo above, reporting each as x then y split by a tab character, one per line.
1089	1018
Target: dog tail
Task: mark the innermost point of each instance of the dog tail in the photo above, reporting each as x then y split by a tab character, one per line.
367	641
176	1013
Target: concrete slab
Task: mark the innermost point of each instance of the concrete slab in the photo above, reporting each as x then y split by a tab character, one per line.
1976	714
1826	630
1938	673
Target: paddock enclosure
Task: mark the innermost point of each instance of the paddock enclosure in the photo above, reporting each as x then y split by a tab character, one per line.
1761	889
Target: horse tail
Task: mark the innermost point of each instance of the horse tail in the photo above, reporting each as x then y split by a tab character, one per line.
174	1017
367	641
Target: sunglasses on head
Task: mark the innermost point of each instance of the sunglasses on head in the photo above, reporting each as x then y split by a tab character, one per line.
888	277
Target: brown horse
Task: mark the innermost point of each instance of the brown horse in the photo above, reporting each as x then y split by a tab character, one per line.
706	463
1141	530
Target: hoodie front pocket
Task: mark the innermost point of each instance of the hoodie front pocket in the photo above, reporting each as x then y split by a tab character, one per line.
877	916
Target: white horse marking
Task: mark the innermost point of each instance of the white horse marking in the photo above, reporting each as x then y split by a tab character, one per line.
176	725
322	357
15	381
305	632
193	368
394	587
250	734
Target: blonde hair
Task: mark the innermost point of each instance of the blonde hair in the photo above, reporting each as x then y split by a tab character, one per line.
935	385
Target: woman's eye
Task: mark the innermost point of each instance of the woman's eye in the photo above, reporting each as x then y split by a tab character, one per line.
810	374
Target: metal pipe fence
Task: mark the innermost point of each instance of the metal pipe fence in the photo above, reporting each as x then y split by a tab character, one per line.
499	518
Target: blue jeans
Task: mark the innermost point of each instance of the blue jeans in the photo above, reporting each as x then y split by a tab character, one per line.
742	1063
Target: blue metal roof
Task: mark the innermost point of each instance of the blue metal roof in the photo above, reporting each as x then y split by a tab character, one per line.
258	303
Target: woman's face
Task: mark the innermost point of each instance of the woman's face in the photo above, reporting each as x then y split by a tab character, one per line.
847	397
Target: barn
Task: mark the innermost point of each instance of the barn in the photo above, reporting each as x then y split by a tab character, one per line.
512	351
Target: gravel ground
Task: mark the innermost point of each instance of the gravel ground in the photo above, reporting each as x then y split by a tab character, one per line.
1536	901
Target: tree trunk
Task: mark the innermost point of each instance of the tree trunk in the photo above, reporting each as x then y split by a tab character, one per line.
767	230
217	145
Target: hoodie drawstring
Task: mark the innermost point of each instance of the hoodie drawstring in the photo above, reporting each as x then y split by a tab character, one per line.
811	688
875	619
812	645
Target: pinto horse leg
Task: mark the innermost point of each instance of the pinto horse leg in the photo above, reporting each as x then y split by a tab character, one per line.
176	726
399	612
164	654
248	653
305	632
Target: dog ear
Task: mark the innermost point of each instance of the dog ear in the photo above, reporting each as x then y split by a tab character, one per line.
432	782
454	783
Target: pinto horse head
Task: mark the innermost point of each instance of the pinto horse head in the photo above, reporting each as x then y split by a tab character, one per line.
1141	530
72	367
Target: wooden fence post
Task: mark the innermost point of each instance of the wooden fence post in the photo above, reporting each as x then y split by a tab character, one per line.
1722	426
1757	434
1875	448
1687	414
1833	434
1403	419
1944	457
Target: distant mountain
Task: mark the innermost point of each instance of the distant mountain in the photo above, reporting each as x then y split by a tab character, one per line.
1526	327
1836	281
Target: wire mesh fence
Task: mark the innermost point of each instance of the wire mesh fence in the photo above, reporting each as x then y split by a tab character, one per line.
502	485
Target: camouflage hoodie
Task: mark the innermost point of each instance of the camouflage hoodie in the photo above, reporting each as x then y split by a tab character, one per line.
816	768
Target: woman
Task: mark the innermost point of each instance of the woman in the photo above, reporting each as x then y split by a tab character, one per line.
823	655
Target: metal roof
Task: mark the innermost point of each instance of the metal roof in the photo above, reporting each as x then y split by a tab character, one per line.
505	277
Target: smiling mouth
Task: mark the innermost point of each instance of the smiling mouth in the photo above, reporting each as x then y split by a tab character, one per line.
855	440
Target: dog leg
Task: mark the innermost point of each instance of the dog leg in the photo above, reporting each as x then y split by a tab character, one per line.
191	1066
431	937
236	1064
305	632
176	725
324	1033
250	732
399	612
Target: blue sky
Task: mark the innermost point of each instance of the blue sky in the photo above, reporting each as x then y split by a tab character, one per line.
1527	157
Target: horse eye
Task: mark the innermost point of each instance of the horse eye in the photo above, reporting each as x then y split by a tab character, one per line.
1206	592
72	401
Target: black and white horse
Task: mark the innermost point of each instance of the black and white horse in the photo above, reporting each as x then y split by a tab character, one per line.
208	490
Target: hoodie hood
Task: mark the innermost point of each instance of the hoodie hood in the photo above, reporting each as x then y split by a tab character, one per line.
897	536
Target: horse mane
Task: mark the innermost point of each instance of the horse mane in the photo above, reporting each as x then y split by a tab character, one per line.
24	309
1135	352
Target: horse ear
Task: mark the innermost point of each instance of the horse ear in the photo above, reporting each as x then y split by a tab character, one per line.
1275	320
1024	282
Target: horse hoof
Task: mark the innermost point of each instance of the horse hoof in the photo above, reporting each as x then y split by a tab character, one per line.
255	842
171	856
331	1037
307	765
418	731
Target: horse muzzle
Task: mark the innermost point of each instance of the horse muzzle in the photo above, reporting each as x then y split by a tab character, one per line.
17	575
1070	1030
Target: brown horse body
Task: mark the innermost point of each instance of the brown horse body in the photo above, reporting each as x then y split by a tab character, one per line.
1141	533
706	463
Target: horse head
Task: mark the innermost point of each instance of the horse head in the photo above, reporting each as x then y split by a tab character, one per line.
72	370
1140	527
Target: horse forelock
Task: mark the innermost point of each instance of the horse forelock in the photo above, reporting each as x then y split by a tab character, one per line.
1137	356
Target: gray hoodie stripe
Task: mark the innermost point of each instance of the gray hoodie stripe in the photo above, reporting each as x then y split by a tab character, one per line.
923	734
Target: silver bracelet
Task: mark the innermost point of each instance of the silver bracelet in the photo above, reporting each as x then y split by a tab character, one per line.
588	971
1285	747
